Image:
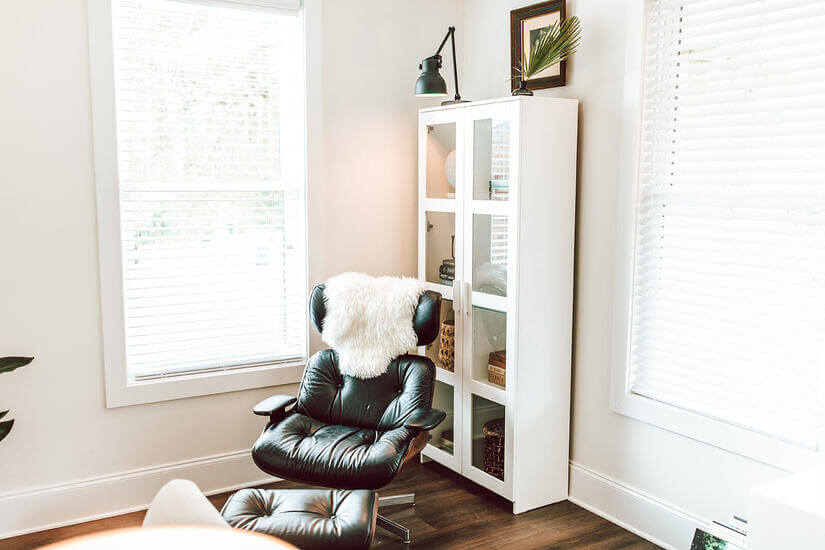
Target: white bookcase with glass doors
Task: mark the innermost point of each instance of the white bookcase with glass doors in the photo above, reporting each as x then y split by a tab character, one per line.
497	188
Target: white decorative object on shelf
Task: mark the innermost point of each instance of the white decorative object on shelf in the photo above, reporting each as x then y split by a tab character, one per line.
495	238
449	168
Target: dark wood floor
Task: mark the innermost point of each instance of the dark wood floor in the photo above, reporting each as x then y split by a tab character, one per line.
450	513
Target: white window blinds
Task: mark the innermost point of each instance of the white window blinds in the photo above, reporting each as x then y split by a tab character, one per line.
210	154
728	316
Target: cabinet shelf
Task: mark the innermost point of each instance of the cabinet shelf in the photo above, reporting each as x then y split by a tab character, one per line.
440	205
493	208
443	375
488	390
489	302
445	291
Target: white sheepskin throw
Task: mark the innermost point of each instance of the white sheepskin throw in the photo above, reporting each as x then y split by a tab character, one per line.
369	321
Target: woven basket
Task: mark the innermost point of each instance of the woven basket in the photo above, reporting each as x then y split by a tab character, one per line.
493	432
446	347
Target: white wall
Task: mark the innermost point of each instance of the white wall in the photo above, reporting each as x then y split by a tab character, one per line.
652	480
362	60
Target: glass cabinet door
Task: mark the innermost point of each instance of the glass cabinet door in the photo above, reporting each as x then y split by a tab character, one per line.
489	150
488	348
440	247
491	159
490	236
443	437
441	157
440	165
487	229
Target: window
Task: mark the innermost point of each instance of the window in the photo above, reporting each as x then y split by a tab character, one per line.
208	192
724	319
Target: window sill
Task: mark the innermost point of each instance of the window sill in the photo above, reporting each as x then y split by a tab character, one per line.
123	394
729	437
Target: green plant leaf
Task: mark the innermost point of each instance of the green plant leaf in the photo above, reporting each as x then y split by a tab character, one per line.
555	44
8	364
5	428
3	413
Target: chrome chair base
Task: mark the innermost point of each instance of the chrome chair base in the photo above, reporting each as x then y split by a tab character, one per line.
389	525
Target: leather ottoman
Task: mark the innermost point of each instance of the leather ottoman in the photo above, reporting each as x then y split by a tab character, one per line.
309	519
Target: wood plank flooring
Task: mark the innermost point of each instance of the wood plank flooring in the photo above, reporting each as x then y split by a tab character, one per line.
450	512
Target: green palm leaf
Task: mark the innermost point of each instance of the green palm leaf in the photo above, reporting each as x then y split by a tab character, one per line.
5	428
555	43
8	364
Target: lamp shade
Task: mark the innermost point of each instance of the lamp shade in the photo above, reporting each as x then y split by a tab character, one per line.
430	82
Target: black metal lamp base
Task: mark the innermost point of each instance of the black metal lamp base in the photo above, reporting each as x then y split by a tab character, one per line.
454	101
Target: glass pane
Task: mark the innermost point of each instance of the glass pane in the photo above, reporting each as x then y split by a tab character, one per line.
441	161
490	254
489	361
440	247
488	436
442	351
443	436
491	159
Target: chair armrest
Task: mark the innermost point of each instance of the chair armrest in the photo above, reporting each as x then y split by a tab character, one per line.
273	405
424	419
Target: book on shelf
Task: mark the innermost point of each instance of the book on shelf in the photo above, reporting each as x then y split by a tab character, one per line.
447	270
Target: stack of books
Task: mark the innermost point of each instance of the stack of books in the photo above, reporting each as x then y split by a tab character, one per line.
446	272
497	368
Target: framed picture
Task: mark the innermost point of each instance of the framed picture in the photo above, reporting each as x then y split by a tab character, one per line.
525	25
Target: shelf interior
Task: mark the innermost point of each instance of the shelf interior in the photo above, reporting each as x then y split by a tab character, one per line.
441	161
492	414
491	159
445	339
490	254
489	346
439	253
443	436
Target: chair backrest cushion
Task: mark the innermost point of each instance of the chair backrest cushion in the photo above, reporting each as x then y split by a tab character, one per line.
380	403
426	321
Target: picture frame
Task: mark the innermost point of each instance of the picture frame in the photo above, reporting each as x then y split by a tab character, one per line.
525	23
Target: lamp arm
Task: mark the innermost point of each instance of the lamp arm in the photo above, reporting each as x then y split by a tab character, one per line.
455	66
451	35
446	36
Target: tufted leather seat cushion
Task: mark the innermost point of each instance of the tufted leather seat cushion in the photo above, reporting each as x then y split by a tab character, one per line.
346	432
309	519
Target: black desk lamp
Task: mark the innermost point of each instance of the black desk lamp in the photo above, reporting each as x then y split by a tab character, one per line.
430	83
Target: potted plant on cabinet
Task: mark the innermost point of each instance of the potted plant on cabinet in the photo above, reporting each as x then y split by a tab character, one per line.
554	44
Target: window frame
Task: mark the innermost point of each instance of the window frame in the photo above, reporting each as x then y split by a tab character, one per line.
736	439
120	391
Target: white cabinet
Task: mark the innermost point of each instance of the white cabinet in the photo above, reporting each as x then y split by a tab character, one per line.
497	188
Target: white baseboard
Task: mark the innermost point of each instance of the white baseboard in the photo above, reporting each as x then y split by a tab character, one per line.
645	515
90	499
44	508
